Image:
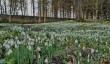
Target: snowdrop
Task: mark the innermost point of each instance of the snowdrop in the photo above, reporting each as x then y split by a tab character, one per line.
40	42
16	38
84	48
104	50
50	44
30	43
80	54
96	39
97	50
79	45
18	42
76	41
46	60
5	41
29	47
106	43
11	42
92	51
46	43
2	61
29	38
101	41
38	49
39	56
88	58
38	38
16	46
9	52
17	28
23	33
6	46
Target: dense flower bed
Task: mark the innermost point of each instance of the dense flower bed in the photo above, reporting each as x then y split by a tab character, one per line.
55	43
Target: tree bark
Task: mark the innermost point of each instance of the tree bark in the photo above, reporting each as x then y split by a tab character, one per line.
39	10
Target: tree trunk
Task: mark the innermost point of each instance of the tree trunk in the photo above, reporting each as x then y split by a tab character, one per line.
39	10
44	10
73	8
10	11
79	9
33	5
5	7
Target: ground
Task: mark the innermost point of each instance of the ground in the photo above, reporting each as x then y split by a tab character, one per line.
67	41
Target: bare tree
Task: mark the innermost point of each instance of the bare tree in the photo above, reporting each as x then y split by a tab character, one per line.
39	10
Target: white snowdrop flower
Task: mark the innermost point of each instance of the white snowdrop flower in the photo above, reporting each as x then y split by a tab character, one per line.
29	47
50	44
38	38
53	42
32	43
38	49
88	59
40	42
76	41
46	60
59	38
103	55
106	43
39	56
79	45
29	39
9	52
89	37
23	33
11	42
84	48
46	43
6	46
80	54
16	38
52	36
66	48
101	41
104	49
92	51
5	41
97	50
96	39
27	36
29	43
18	42
2	61
16	46
32	39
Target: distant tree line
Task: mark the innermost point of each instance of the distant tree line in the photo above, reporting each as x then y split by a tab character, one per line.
76	9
